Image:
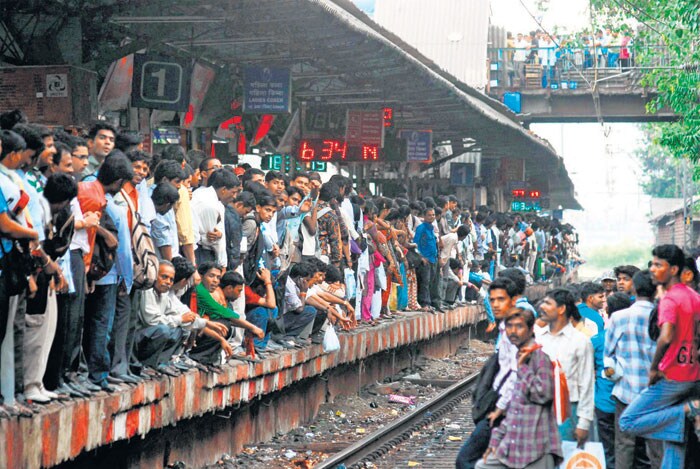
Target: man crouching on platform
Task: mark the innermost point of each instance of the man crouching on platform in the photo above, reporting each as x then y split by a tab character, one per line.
528	437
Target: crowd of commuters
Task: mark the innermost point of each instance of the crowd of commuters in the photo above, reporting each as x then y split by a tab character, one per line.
120	266
628	348
605	48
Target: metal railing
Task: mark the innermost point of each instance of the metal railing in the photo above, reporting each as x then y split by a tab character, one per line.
568	66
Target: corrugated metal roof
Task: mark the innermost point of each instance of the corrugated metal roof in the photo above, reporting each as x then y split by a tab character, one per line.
453	33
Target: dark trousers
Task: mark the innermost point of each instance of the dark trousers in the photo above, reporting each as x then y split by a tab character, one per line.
202	255
54	372
100	307
606	432
631	451
428	284
18	330
474	448
122	336
208	350
295	322
4	314
156	345
75	315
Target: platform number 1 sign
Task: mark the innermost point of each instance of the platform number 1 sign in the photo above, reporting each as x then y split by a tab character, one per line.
160	83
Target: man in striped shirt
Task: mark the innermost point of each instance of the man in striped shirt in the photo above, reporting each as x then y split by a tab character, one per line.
629	352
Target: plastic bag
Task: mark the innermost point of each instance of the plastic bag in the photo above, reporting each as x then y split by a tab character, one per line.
561	405
330	340
381	276
592	455
376	304
350	284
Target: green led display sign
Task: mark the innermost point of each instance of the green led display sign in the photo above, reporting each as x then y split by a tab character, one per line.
522	206
287	164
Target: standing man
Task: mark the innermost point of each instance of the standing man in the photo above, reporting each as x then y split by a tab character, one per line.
593	300
528	436
502	293
624	275
660	411
100	142
629	352
561	341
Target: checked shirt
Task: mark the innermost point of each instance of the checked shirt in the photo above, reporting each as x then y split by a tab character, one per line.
529	430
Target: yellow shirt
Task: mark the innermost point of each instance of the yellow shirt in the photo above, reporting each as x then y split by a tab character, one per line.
183	217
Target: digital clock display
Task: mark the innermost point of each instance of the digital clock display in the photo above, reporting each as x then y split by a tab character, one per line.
523	194
336	151
287	164
517	206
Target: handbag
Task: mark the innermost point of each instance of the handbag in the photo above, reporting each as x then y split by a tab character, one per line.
562	404
17	265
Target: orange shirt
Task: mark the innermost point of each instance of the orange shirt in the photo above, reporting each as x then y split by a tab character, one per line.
91	197
130	190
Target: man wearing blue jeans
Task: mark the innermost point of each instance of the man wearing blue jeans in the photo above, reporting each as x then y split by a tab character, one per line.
660	411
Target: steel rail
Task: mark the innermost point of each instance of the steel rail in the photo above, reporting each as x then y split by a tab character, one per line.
389	436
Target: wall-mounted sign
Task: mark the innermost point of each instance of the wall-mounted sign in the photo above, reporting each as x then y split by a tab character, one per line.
57	85
419	145
267	90
365	128
164	136
160	83
462	174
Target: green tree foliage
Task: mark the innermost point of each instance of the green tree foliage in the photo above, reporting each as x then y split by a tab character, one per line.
676	24
661	172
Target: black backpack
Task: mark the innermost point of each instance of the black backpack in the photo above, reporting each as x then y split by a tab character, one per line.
103	254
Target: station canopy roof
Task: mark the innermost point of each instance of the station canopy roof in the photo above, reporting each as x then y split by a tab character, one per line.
339	56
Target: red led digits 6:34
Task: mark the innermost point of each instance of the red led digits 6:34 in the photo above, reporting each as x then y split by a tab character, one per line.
334	150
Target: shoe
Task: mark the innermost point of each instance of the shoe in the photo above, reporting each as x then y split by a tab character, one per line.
138	378
317	339
64	388
105	386
272	345
181	366
166	370
111	379
21	410
33	394
89	385
79	388
150	372
5	412
126	379
50	394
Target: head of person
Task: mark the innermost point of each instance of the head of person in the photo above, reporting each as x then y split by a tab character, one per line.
184	270
254	175
462	232
429	215
575	289
334	276
644	287
294	196
164	198
265	206
34	144
300	180
502	295
232	284
616	302
315	180
62	159
320	268
593	294
689	274
46	154
210	273
165	278
114	172
173	153
101	139
667	264
226	185
244	203
13	146
520	326
328	192
128	141
624	274
169	171
455	265
59	190
558	305
303	270
80	153
517	277
206	167
274	181
140	163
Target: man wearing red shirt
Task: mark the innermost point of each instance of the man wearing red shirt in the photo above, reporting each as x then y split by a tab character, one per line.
660	411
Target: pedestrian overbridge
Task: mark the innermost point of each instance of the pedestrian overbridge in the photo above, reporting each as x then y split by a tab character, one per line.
575	88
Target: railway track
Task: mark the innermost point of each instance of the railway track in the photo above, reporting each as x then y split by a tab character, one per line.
384	447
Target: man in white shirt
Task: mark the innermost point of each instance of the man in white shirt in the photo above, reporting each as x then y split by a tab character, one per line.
522	46
448	251
562	342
